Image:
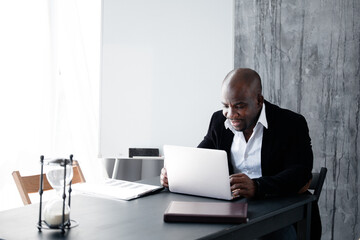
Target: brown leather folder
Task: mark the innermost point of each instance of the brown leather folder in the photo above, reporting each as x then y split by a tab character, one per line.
206	212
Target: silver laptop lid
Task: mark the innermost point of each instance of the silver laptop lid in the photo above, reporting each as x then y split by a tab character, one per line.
198	171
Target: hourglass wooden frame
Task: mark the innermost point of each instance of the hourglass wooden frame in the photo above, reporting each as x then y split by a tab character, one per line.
69	223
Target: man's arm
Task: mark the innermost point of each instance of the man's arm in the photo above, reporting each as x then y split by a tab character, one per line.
288	168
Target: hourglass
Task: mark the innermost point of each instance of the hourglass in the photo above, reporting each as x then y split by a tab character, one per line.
59	173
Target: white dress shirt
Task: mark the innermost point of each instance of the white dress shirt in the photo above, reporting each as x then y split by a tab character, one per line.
246	156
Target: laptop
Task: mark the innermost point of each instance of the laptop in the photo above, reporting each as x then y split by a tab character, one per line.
198	171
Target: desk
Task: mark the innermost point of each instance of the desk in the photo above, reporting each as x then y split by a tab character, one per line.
142	218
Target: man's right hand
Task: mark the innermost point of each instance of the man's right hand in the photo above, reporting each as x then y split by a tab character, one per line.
163	178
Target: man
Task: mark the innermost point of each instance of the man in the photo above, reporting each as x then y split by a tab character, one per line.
269	148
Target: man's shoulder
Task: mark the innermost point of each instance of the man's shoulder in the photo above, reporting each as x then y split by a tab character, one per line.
218	115
280	115
217	119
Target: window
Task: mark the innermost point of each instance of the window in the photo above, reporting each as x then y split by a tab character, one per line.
49	80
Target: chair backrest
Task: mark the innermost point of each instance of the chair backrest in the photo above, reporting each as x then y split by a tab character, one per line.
317	182
30	184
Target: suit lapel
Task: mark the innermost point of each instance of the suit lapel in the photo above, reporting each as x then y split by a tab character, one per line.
265	149
267	137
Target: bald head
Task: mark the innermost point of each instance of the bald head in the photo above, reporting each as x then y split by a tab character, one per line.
245	77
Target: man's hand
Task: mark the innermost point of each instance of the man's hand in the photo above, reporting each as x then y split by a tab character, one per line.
163	178
242	185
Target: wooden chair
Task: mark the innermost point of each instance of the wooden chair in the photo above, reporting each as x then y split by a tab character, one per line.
30	184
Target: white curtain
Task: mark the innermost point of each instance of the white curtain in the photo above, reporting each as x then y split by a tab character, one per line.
49	85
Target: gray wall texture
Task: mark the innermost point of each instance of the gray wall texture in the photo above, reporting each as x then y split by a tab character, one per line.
308	55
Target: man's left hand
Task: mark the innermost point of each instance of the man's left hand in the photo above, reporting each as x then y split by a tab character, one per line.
242	185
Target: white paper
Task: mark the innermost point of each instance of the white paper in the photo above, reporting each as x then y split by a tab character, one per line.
115	189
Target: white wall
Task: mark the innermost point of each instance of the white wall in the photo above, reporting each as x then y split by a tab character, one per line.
163	62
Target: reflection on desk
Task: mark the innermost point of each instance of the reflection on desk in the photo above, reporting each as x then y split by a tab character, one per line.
142	218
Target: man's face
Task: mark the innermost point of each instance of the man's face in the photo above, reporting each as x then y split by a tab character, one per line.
241	106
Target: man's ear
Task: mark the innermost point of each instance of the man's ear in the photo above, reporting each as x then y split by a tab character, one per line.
260	99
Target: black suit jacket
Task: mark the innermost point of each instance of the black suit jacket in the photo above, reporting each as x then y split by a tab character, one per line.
286	153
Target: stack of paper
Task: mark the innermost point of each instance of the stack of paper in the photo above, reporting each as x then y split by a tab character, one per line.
116	189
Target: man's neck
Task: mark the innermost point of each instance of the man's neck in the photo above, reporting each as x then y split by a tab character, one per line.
248	132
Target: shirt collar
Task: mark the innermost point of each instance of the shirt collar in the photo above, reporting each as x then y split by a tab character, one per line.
262	120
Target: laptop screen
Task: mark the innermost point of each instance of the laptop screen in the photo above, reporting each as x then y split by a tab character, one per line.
197	171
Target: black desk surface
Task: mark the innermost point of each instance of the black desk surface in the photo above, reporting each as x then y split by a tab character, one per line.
142	218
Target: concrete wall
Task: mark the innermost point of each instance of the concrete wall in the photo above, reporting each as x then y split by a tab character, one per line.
307	53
